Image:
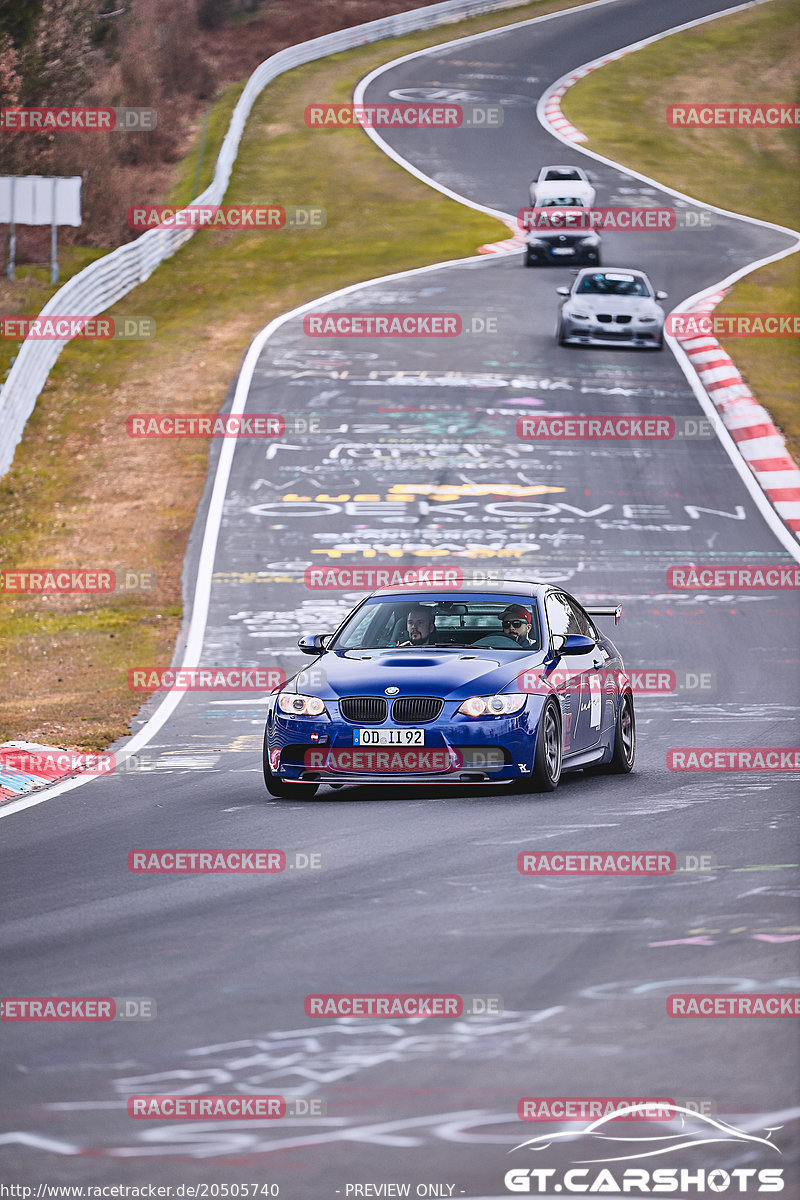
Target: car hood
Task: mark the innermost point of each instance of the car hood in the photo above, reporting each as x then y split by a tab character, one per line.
451	674
615	304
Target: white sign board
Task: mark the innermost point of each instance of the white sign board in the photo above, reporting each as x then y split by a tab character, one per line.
40	199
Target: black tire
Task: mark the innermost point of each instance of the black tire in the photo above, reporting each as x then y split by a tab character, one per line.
280	788
624	753
562	341
660	342
529	261
548	754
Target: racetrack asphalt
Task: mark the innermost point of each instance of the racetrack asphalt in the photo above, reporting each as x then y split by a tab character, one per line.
420	890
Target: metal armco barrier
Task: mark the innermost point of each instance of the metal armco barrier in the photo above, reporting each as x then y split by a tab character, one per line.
107	280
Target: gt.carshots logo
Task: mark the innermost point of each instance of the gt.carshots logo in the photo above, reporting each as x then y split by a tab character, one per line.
616	1144
638	1181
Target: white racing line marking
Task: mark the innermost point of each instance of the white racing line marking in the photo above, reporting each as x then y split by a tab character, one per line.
202	594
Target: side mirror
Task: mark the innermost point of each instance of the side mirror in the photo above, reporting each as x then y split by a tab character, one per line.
661	295
577	643
312	643
563	291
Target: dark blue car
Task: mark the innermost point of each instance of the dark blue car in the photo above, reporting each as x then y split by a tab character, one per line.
508	684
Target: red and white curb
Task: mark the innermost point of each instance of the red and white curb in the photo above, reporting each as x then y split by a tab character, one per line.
552	109
757	439
515	242
26	766
759	443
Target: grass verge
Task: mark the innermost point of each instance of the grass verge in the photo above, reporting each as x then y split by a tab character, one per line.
750	57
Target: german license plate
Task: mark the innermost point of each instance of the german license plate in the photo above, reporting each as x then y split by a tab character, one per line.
563	250
388	737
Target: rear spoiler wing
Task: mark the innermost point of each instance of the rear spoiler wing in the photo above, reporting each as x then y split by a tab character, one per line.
604	610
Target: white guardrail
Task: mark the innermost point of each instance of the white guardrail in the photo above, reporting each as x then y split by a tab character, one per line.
108	279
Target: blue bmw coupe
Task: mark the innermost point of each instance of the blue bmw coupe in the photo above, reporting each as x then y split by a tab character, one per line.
509	684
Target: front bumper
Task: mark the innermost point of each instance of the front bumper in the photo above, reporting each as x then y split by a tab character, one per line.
562	253
596	333
457	750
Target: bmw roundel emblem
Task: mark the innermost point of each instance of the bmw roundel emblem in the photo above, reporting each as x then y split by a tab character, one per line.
392	691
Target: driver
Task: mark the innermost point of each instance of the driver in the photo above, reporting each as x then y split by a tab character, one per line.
517	625
420	627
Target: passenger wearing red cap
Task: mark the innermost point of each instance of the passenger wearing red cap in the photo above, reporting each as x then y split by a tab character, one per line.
517	622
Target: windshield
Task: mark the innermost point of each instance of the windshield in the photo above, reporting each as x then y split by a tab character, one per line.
409	622
613	284
561	202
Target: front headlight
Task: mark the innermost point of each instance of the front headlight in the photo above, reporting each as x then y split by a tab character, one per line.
577	314
590	239
493	706
646	320
297	705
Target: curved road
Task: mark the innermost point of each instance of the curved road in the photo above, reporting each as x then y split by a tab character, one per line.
420	892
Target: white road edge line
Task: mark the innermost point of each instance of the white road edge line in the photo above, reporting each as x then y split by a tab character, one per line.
762	503
362	85
202	594
781	531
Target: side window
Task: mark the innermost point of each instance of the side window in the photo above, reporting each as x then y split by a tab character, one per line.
560	615
585	626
